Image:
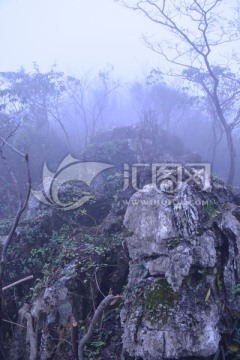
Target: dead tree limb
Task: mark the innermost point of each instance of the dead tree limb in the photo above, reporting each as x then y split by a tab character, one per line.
22	204
107	301
17	282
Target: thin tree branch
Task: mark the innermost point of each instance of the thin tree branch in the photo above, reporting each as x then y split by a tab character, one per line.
107	301
21	208
12	147
17	282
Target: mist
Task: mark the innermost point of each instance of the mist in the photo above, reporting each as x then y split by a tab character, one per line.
119	179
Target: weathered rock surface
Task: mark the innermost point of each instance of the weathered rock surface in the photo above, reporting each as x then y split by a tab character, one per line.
184	267
181	297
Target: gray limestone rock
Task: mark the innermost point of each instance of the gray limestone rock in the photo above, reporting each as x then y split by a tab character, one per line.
184	264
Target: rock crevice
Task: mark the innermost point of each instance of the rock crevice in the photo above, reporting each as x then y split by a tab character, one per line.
184	265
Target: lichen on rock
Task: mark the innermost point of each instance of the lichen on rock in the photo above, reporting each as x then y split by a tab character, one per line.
191	266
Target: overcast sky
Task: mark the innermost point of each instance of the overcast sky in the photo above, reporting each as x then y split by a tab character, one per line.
76	34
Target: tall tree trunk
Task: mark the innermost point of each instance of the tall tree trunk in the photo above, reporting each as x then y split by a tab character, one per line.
232	155
3	353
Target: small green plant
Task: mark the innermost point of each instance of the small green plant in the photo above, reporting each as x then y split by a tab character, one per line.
37	287
142	269
173	243
212	209
236	290
114	185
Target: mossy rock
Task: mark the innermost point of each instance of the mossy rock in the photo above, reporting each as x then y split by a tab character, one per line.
160	300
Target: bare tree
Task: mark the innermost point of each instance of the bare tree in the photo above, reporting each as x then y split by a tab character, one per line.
22	204
198	33
90	101
168	102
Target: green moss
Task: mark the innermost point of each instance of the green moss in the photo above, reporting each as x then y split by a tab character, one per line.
173	243
159	301
212	209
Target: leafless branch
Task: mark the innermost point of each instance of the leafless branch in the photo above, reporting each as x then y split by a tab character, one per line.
12	147
107	301
204	30
17	282
13	323
22	204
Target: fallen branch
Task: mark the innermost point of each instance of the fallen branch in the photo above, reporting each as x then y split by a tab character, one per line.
17	282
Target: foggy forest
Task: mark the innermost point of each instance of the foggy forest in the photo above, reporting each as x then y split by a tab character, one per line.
120	180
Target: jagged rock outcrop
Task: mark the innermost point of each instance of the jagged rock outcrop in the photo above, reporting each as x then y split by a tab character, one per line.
184	251
182	295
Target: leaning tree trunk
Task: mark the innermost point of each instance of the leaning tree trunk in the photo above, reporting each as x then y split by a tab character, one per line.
229	137
232	155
